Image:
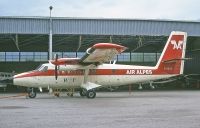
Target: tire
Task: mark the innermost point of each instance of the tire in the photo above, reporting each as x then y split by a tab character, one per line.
83	92
91	94
32	94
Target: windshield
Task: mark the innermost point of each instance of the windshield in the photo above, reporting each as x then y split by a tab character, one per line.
38	67
42	68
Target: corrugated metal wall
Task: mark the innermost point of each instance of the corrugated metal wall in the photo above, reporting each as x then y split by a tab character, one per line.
24	25
40	25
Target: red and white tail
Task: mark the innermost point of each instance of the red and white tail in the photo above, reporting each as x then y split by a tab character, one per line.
172	58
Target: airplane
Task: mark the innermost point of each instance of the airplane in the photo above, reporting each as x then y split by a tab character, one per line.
91	71
5	79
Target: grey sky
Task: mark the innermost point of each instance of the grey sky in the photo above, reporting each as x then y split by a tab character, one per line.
145	9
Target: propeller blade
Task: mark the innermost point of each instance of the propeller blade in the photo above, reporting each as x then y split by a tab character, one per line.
56	72
56	66
56	57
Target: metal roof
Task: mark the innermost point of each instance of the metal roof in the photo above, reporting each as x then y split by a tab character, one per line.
96	26
31	33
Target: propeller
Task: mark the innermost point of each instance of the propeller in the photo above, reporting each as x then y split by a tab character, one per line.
56	66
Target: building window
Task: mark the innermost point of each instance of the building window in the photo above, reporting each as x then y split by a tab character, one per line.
69	54
26	56
40	56
137	57
12	56
80	54
149	57
2	56
60	55
124	57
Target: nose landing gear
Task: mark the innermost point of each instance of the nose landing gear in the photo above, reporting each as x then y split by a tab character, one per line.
31	93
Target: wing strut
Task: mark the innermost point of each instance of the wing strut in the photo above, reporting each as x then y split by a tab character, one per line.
88	85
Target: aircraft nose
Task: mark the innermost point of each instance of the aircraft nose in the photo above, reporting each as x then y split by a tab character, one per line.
24	79
17	80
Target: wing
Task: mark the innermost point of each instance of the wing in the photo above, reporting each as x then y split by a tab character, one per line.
102	52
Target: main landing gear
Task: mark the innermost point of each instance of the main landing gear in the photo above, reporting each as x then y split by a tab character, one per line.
90	93
31	92
83	92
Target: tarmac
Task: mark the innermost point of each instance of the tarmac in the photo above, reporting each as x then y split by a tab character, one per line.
142	109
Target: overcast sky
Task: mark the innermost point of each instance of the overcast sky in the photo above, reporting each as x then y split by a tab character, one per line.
145	9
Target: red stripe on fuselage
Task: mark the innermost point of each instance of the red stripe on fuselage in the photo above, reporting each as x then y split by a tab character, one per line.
94	72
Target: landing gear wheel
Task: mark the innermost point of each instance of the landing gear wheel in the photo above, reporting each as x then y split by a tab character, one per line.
83	92
91	94
31	93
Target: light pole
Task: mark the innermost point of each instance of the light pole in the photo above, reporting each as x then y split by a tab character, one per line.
50	34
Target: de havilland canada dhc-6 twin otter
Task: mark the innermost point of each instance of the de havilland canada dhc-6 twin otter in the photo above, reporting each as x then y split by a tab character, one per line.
91	71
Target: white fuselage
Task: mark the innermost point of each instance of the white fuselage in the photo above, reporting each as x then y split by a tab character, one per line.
73	76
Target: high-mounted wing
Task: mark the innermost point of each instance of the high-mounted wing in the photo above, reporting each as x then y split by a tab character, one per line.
102	52
97	54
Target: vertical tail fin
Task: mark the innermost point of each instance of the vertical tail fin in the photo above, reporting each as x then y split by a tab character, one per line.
171	59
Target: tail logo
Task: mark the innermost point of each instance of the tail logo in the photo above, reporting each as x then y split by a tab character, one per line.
177	45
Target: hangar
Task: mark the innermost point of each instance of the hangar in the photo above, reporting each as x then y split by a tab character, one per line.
24	40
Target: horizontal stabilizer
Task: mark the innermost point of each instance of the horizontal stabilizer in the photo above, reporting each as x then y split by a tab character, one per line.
175	60
90	85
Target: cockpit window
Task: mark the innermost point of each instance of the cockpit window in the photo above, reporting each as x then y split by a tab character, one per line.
42	68
38	67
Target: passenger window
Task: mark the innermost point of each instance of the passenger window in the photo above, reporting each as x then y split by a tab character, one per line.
43	69
113	71
93	71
